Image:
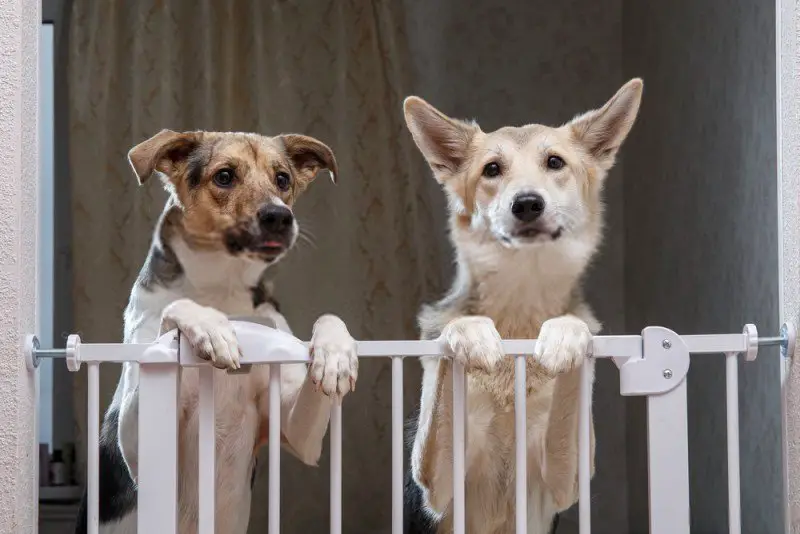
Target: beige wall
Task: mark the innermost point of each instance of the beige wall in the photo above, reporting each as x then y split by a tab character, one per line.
19	157
789	185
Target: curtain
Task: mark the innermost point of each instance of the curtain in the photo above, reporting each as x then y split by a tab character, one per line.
334	70
338	71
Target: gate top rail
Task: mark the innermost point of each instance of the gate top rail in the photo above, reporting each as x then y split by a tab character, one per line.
263	344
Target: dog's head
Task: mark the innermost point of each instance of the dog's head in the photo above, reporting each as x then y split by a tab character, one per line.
236	190
525	185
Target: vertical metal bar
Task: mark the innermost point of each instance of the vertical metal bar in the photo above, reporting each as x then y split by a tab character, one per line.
274	508
668	461
521	441
585	450
336	467
734	492
158	448
207	452
459	446
93	455
397	445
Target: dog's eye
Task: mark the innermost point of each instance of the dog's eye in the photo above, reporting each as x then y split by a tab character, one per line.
491	170
224	177
283	181
555	163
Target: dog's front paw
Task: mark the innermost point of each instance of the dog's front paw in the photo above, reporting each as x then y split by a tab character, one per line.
473	341
334	359
563	344
208	331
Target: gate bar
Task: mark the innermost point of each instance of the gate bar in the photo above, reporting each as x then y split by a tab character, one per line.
521	441
336	466
93	453
397	445
602	347
207	436
584	448
459	446
274	509
734	491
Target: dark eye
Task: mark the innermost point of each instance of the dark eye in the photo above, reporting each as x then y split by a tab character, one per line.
283	181
555	163
491	170
224	177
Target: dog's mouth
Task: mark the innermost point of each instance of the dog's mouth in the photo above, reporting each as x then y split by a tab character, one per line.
532	234
262	246
270	247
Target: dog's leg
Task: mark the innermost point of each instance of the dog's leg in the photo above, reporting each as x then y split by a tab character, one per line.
307	394
211	336
562	347
475	343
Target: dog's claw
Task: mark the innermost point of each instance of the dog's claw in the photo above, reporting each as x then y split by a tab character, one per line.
563	344
334	365
208	331
472	341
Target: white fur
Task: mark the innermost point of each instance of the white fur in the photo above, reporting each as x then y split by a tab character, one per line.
217	285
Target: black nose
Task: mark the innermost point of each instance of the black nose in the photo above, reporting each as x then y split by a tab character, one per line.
528	207
275	218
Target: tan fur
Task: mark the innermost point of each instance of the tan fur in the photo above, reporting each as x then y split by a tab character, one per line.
515	281
255	160
210	251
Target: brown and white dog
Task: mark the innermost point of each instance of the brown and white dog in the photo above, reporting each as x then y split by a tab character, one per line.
525	220
228	218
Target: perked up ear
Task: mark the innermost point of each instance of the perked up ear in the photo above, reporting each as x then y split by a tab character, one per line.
309	156
444	142
161	153
603	130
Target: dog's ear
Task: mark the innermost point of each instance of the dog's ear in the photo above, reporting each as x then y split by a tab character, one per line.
603	130
161	153
309	156
444	142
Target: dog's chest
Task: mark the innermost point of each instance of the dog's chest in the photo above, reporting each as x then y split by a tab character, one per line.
490	485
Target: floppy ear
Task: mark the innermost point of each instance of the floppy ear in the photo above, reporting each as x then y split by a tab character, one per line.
161	152
603	130
444	142
309	156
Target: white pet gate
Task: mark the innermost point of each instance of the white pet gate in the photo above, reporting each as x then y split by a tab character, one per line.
653	364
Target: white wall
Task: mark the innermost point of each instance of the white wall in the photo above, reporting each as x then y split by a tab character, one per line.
789	186
19	162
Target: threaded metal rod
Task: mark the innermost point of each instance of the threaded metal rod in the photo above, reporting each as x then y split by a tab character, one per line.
50	353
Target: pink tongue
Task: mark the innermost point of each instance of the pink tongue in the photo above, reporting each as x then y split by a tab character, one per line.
272	244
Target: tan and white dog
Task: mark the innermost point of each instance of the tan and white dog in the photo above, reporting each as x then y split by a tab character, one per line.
228	218
525	220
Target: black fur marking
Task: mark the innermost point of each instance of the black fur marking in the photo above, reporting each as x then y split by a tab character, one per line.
253	473
161	267
117	490
261	295
196	164
415	519
555	524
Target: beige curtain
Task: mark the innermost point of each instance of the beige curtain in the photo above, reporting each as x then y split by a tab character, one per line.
335	70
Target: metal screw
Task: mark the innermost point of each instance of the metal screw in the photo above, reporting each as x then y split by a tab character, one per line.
666	344
667	373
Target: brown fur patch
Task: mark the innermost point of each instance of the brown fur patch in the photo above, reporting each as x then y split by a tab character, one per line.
189	161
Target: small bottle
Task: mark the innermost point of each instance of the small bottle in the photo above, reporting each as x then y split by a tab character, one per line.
58	471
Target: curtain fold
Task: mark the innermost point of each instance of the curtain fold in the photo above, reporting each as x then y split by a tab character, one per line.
334	70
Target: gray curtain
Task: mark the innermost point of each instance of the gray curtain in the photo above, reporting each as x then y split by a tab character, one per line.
338	71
